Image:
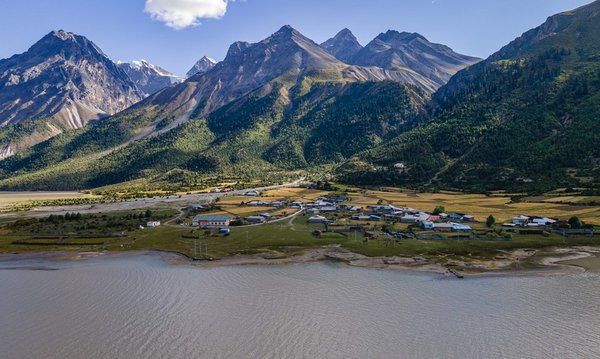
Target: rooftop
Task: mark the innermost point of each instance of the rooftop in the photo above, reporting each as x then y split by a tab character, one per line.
211	218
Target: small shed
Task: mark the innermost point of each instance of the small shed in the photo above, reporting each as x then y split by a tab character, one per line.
442	227
427	225
256	219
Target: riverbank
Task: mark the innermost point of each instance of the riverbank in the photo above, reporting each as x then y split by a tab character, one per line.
547	264
556	262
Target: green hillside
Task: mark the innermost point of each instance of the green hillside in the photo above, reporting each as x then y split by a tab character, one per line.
277	128
526	118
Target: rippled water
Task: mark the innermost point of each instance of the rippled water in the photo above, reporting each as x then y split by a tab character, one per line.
141	307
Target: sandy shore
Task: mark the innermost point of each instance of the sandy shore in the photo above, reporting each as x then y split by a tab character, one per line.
549	264
335	254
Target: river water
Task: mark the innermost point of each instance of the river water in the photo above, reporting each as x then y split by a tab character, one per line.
141	307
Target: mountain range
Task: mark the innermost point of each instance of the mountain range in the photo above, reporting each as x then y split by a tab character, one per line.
528	117
63	81
399	111
246	68
401	51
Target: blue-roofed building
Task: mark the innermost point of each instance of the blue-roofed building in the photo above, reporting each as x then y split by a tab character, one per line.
458	227
451	227
212	221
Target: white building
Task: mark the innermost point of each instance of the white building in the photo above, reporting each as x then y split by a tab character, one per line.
317	219
520	220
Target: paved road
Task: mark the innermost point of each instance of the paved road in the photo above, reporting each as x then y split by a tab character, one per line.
139	203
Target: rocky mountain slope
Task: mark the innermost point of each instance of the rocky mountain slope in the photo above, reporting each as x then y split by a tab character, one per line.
344	46
201	66
148	77
527	118
63	75
286	56
399	51
62	82
282	87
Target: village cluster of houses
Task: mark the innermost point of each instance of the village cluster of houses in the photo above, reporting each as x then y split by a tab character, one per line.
454	222
318	209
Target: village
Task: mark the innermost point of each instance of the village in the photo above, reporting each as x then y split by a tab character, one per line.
378	225
340	213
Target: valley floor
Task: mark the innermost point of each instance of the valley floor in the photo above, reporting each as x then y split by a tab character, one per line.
113	227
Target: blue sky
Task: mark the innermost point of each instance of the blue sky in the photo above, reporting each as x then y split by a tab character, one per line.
126	32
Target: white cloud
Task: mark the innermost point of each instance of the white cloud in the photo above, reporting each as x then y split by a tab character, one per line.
179	14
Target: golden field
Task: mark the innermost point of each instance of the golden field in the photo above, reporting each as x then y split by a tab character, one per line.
7	198
480	205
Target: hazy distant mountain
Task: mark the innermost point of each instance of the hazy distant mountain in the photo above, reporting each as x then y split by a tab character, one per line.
344	46
64	81
202	66
148	77
403	51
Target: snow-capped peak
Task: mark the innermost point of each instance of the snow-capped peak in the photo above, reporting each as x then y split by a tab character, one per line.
149	77
203	65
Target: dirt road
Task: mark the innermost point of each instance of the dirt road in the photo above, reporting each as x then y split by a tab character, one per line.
170	201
